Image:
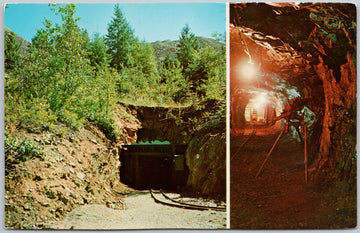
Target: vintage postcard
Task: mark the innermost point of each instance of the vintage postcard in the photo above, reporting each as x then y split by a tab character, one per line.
115	116
180	115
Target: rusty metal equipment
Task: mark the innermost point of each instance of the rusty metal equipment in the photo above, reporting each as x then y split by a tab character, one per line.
184	205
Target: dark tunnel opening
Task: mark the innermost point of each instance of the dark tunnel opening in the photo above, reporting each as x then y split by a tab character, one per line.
154	165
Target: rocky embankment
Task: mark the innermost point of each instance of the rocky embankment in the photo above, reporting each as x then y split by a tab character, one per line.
76	169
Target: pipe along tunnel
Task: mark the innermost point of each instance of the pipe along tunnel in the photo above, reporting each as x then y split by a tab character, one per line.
153	164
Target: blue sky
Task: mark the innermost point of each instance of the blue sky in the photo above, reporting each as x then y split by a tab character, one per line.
151	21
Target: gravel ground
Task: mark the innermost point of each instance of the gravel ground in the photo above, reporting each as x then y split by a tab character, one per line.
143	213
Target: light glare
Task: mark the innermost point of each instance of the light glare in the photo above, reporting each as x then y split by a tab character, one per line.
260	100
248	70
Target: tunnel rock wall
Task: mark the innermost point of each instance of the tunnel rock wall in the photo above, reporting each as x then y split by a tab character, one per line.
241	98
161	123
174	124
338	135
206	159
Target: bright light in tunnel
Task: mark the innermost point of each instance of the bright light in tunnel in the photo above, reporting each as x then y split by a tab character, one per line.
247	70
260	100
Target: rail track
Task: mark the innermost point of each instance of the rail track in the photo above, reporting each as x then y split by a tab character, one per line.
253	133
166	200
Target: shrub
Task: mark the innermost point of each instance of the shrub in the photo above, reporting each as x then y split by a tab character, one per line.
34	113
19	150
105	124
71	119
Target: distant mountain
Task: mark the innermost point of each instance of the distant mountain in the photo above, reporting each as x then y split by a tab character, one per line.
24	45
168	47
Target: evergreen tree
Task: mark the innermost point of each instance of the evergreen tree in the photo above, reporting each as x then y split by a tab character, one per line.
209	74
188	45
143	57
168	61
119	38
173	84
140	80
99	58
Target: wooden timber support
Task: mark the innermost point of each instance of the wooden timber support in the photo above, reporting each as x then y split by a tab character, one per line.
268	154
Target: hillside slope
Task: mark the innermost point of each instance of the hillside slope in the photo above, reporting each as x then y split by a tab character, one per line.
75	169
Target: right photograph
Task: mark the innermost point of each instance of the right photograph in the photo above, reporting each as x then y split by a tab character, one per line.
292	117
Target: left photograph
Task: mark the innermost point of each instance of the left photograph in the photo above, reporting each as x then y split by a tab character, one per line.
115	116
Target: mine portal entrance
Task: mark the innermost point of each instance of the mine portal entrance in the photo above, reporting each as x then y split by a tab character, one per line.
145	166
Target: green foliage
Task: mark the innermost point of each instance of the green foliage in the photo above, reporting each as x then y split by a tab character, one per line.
34	112
137	88
98	55
106	125
68	78
12	50
119	39
204	70
57	65
188	44
217	121
169	62
209	74
56	82
142	57
139	83
17	150
99	101
71	119
173	83
222	39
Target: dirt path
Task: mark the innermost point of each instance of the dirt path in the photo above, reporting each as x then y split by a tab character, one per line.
142	212
279	197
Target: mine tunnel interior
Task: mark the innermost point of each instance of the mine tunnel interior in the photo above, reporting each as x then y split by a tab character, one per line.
153	163
301	59
271	85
